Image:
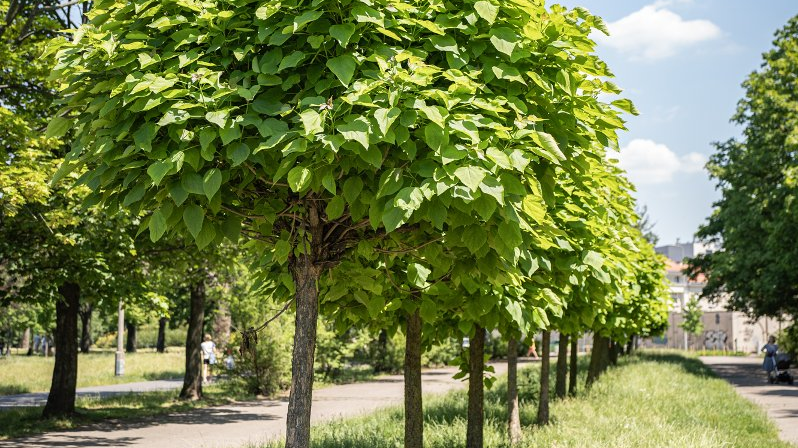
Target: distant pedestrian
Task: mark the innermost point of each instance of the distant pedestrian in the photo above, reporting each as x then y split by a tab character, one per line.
532	351
770	349
208	349
229	361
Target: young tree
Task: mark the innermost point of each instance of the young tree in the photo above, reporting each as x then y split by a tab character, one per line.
692	316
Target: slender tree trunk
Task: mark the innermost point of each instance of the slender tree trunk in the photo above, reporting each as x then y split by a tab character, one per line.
130	344
306	276
381	353
630	345
476	389
221	326
192	381
599	358
545	366
160	344
562	367
513	412
613	353
574	373
414	413
85	327
25	344
61	400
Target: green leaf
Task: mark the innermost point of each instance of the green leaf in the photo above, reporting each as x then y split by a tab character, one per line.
299	178
192	183
231	227
144	135
282	250
311	121
211	182
504	40
238	153
267	10
193	217
390	182
386	117
335	208
157	225
342	33
487	11
206	235
435	137
178	193
291	61
343	67
357	130
471	176
510	234
534	207
549	144
409	199
219	117
352	188
57	127
593	259
417	274
158	170
474	237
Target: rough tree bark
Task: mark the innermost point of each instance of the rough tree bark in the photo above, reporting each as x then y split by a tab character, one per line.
25	344
513	412
574	371
306	275
131	342
160	344
61	400
545	367
86	311
562	367
192	381
599	358
613	352
476	389
414	413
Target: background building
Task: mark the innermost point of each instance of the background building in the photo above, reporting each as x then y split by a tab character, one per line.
723	330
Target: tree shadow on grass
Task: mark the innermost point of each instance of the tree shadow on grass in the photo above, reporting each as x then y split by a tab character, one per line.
13	389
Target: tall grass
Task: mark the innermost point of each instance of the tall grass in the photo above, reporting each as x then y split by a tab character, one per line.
648	401
22	374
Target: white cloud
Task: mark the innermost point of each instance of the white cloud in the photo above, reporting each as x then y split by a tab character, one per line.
649	162
655	32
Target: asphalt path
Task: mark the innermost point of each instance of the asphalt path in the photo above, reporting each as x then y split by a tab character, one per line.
39	399
780	401
243	423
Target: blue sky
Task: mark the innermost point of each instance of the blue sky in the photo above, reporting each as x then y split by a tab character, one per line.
682	63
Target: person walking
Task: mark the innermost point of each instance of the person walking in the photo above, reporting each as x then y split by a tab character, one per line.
770	349
208	349
532	350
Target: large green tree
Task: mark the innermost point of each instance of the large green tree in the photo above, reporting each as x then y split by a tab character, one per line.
756	219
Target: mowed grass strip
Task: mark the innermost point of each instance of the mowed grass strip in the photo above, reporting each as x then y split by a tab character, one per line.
22	374
19	422
650	400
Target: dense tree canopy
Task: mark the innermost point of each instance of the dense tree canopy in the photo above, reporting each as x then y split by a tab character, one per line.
756	219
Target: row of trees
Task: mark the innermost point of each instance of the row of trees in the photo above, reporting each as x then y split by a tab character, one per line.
409	166
755	220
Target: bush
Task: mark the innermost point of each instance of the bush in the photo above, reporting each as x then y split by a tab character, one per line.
267	369
788	340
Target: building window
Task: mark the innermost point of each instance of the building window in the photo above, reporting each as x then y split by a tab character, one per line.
678	279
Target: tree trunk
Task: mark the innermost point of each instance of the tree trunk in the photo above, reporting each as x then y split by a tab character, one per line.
562	367
130	345
574	373
25	344
61	400
160	345
414	413
381	353
221	326
476	389
599	358
306	276
545	362
192	381
613	353
630	345
85	327
513	413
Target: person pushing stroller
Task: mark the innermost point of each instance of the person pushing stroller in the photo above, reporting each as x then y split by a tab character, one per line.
776	365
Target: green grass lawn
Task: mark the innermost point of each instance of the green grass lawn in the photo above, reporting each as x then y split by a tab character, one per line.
22	374
27	421
649	401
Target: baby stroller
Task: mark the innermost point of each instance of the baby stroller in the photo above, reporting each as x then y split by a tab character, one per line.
782	372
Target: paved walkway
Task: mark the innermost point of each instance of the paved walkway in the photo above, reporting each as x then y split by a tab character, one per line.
40	399
242	423
780	401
